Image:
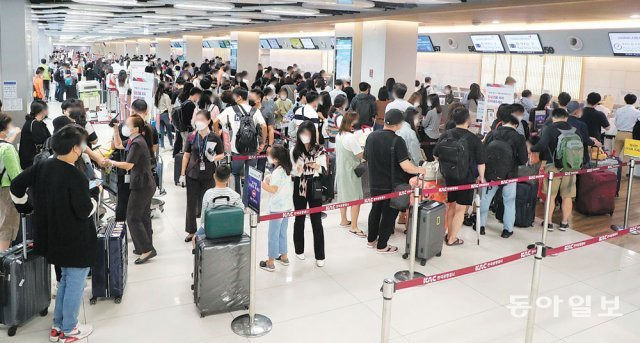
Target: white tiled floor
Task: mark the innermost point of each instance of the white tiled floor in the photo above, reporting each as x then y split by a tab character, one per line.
342	303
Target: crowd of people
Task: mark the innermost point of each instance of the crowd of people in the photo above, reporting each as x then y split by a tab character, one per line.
307	129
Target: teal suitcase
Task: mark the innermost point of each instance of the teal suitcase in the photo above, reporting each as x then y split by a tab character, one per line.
223	221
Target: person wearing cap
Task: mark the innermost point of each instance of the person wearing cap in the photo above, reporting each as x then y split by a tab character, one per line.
387	157
574	109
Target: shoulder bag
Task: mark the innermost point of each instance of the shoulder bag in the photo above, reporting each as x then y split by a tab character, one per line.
400	203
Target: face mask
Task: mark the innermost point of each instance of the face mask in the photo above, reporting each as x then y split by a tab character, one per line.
200	125
126	131
429	103
269	159
305	139
252	103
12	132
416	104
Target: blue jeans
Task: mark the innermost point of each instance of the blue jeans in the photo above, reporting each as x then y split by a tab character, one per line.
69	298
278	237
165	129
509	201
237	168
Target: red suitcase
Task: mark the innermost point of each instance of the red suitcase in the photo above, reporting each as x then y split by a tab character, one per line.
596	193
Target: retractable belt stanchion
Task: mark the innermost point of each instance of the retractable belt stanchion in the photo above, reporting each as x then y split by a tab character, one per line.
388	288
541	252
632	166
252	324
478	197
410	274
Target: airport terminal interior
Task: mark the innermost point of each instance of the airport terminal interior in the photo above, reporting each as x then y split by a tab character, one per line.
266	170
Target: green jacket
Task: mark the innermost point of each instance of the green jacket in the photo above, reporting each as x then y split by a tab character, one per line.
9	163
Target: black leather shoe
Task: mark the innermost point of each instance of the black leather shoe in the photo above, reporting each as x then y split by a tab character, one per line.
482	230
136	252
143	260
506	234
188	238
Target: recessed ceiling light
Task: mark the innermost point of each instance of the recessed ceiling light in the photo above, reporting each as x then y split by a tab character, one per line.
108	2
495	22
290	10
204	6
230	20
635	16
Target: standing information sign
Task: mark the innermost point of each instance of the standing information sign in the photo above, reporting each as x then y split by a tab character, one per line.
254	186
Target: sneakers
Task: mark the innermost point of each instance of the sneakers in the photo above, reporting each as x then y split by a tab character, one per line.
78	333
300	256
54	335
264	265
282	262
549	227
320	263
506	234
563	227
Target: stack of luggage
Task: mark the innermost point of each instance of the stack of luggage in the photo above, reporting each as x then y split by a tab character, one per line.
25	284
222	262
109	275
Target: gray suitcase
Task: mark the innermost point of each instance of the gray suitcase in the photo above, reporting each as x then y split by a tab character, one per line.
221	274
430	238
25	285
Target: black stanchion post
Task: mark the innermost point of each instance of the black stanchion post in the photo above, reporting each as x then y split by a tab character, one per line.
252	324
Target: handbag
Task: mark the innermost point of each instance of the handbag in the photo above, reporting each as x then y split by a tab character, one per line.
402	202
360	169
317	188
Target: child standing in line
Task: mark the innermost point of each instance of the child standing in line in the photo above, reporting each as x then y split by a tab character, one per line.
280	185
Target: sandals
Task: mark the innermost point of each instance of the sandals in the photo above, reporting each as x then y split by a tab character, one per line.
344	226
389	249
372	245
358	233
458	241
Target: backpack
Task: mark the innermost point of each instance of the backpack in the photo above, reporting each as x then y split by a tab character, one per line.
58	76
500	159
43	151
247	134
569	150
454	158
176	116
332	125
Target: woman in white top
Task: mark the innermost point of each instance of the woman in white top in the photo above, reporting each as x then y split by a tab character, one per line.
162	102
280	185
348	157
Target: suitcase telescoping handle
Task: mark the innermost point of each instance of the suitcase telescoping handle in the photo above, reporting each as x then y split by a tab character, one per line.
23	220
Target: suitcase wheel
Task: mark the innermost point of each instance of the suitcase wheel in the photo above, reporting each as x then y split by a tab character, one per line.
192	287
405	256
439	254
93	301
44	312
423	261
117	300
12	331
201	315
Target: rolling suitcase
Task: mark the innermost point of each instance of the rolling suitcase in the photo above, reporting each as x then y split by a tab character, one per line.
109	274
25	284
526	200
596	193
177	167
221	274
430	235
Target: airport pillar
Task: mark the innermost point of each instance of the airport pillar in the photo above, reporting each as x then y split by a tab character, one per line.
248	54
131	47
163	48
353	30
193	49
119	49
16	69
389	49
144	46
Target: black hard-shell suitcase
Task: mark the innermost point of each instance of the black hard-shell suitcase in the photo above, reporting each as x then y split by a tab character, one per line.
221	274
25	285
109	274
177	167
526	200
430	236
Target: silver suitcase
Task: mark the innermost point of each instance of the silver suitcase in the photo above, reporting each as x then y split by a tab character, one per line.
430	236
221	274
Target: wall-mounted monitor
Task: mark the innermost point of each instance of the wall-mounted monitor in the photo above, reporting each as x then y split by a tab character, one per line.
625	43
307	43
487	43
425	44
205	44
344	51
176	44
273	43
264	44
524	43
296	43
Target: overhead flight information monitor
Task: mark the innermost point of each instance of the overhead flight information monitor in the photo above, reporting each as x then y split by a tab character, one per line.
264	44
273	43
625	43
524	43
425	44
487	43
307	43
296	43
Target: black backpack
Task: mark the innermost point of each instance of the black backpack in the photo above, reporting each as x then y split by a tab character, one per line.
454	158
58	76
500	159
248	133
176	116
43	151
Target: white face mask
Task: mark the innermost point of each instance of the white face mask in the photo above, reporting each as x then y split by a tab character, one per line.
12	132
126	131
305	139
416	104
200	125
429	103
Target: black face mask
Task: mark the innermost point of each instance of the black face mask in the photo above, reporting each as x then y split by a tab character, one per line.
252	103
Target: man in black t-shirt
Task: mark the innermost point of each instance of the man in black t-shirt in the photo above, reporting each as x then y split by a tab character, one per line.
595	120
389	165
458	201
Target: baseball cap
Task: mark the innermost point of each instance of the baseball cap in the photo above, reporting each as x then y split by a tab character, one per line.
572	106
393	117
